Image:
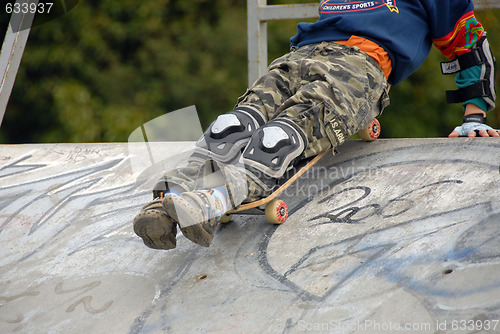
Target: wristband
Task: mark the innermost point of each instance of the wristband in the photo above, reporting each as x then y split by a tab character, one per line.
477	118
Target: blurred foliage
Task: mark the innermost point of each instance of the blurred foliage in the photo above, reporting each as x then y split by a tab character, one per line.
108	66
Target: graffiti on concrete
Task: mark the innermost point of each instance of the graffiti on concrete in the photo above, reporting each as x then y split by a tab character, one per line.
388	237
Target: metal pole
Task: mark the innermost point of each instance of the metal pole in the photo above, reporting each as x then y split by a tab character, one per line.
12	52
257	41
289	12
486	4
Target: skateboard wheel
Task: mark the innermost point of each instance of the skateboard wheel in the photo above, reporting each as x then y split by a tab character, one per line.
371	132
225	218
276	211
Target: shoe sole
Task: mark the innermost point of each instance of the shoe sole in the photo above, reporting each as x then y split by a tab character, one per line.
155	232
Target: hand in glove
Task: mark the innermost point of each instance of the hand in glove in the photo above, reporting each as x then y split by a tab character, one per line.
473	129
474	125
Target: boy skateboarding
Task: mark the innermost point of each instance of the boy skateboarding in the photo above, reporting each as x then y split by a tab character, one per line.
332	84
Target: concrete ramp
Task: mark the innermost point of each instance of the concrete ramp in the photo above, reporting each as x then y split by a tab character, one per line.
394	236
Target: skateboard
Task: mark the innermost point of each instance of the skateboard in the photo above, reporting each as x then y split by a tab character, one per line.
275	209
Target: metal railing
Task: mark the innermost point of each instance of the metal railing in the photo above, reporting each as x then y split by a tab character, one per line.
259	13
12	52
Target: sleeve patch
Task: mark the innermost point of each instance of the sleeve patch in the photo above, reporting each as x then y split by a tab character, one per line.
463	37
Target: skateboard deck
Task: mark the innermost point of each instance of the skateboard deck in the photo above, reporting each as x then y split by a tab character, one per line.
276	210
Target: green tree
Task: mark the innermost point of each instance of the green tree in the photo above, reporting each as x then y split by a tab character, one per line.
108	66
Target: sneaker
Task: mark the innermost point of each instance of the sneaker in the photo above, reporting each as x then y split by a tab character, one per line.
197	214
155	227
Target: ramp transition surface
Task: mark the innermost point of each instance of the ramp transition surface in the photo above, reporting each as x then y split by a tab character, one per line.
386	237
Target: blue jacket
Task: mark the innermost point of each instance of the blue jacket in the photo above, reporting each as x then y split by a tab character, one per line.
406	29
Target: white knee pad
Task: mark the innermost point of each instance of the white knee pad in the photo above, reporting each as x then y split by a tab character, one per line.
226	137
274	147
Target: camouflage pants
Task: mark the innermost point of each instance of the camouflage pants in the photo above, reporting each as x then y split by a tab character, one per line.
330	91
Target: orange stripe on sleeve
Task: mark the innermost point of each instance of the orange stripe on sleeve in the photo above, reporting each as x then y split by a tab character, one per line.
463	37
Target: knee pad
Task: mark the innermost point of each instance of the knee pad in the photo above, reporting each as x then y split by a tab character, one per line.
274	147
226	137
